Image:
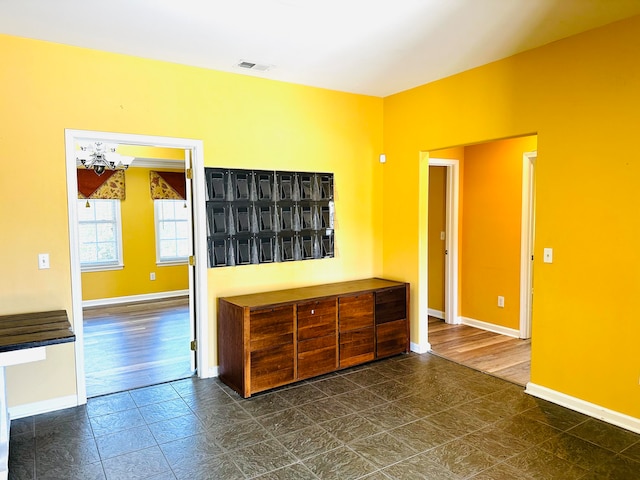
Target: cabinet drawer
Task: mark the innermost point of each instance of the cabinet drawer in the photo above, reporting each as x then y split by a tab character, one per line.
317	356
355	312
391	305
391	338
271	326
316	319
318	343
271	367
357	346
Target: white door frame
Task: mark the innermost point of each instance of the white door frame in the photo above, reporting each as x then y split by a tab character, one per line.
451	238
200	243
526	242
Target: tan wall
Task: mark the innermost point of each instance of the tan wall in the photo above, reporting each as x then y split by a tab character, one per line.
437	224
138	248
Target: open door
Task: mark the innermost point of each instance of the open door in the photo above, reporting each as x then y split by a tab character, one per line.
526	247
188	173
451	238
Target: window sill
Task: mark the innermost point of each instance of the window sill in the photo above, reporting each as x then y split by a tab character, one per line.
100	268
172	263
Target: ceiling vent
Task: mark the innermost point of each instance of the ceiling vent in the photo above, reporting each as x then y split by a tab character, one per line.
254	66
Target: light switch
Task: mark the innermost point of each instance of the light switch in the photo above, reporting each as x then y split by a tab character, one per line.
43	261
548	255
442	235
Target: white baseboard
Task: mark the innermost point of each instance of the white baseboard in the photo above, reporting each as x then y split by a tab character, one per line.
435	313
610	416
60	403
134	298
46	406
418	348
491	327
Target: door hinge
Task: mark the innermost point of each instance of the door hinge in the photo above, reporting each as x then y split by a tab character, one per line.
193	345
189	173
192	260
532	258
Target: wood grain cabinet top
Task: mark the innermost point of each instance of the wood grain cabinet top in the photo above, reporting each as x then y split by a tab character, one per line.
270	339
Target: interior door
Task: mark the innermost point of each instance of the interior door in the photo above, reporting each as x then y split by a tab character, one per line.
188	173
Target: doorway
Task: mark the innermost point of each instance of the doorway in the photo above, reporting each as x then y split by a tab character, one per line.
193	150
508	184
449	236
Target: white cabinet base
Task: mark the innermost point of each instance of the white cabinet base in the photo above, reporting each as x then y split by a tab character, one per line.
14	357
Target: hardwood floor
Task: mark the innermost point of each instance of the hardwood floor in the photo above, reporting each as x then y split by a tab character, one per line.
505	357
136	345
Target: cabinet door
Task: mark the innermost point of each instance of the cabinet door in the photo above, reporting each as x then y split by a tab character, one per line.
272	367
355	312
317	356
272	358
357	346
316	319
391	305
391	338
391	322
271	326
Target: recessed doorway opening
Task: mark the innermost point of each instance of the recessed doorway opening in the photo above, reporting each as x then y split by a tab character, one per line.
131	316
495	235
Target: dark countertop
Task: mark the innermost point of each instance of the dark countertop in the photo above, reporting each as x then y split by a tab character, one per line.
29	330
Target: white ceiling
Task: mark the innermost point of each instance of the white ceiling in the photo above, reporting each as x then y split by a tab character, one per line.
373	47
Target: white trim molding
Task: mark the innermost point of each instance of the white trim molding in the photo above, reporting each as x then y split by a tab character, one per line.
596	411
46	406
436	313
451	258
420	348
197	289
526	242
491	327
134	298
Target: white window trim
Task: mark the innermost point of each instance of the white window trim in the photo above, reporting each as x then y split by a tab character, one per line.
102	267
170	261
119	264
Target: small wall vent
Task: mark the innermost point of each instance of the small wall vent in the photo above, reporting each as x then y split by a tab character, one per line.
260	67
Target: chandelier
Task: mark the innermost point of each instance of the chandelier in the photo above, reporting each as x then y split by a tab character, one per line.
101	156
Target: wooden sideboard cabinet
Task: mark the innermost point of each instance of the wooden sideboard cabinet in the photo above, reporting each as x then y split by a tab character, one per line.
270	339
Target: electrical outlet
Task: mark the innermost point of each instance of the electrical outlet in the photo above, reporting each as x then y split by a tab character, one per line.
500	301
152	276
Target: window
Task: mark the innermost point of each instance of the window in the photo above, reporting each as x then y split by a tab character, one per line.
172	231
100	234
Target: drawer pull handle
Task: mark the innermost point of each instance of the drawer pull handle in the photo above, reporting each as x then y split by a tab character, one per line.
313	312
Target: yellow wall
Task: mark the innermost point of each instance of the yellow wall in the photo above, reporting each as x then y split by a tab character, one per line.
244	122
581	96
437	224
491	231
138	249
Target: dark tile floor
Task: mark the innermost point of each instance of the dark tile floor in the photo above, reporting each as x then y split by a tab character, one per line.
409	417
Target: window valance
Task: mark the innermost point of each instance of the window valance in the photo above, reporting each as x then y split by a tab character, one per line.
110	185
167	185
